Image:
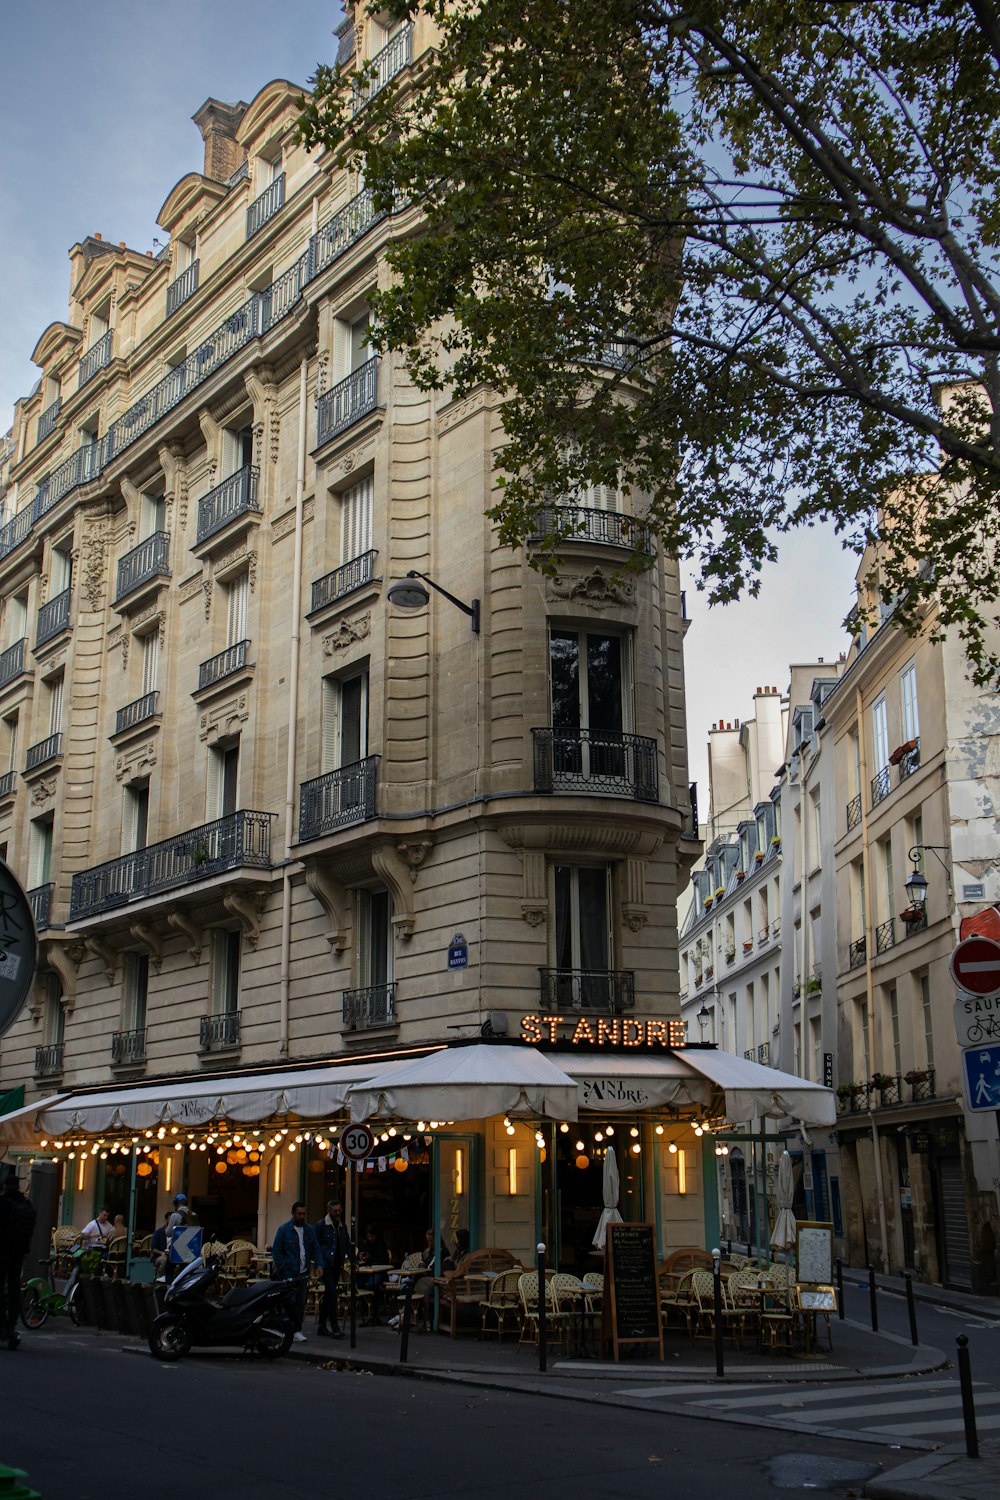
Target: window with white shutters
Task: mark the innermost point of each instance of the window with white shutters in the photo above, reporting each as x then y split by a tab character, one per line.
880	734
356	508
237	602
150	660
908	694
55	687
345	721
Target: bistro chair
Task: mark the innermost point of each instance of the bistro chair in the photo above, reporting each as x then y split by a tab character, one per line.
501	1304
679	1304
557	1321
140	1246
114	1264
62	1242
236	1263
703	1289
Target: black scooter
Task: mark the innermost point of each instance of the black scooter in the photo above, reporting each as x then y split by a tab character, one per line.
256	1318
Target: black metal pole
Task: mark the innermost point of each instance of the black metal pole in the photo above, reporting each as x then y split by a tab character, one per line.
840	1290
911	1307
968	1404
872	1298
720	1367
354	1305
404	1342
542	1300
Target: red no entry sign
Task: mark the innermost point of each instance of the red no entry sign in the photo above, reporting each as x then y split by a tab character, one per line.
975	966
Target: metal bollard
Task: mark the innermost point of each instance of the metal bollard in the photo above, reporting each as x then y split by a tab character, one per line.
872	1298
354	1306
841	1312
720	1368
968	1403
406	1321
542	1300
911	1307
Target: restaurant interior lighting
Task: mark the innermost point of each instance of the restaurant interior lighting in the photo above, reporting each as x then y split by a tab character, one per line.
682	1172
277	1173
459	1173
512	1171
81	1174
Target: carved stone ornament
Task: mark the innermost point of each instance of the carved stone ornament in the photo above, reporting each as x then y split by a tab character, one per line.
191	589
224	719
454	415
183	923
595	587
43	790
634	917
329	893
248	908
135	763
94	561
207	590
346	633
414	852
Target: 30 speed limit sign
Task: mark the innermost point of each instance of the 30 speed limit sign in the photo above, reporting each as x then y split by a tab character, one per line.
357	1142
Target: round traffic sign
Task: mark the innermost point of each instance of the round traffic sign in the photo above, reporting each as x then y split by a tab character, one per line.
356	1142
975	966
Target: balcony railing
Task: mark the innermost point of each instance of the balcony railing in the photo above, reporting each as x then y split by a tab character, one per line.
592	760
53	617
914	920
49	419
883	1089
48	1059
587	523
375	1006
240	175
266	205
12	662
885	936
338	798
343	580
234	497
854	812
921	1082
128	1046
348	225
857	953
393	58
182	287
909	761
764	1053
611	990
217	1032
749	1055
40	901
8	784
881	786
240	838
96	357
151	559
233	659
16	529
45	750
347	402
137	712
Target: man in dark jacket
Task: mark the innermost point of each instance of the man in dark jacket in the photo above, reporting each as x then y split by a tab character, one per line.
294	1250
17	1223
335	1242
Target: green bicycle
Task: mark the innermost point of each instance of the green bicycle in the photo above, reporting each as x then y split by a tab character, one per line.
39	1298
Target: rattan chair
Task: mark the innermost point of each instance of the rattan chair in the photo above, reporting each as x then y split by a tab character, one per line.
557	1321
703	1290
502	1305
117	1256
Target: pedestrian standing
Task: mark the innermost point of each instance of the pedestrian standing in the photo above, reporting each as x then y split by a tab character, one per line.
335	1243
294	1250
17	1224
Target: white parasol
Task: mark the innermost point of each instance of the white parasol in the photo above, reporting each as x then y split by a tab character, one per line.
785	1228
611	1186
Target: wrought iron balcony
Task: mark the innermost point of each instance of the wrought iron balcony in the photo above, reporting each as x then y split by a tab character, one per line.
347	402
233	659
240	175
881	786
348	225
182	287
137	712
921	1081
393	58
53	617
49	419
909	761
235	496
343	580
8	784
338	798
16	529
611	990
95	359
265	205
914	920
375	1006
40	901
593	760
886	1088
587	523
764	1053
240	838
749	1055
151	559
885	936
44	751
854	812
218	1032
12	662
48	1059
857	953
128	1046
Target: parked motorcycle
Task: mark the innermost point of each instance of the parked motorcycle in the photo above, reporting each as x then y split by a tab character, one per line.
256	1317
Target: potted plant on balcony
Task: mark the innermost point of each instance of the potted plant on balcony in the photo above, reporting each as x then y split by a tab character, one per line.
912	915
759	856
776	841
901	750
916	1075
709	902
199	854
741	874
813	985
720	891
730	950
847	1093
881	1082
748	945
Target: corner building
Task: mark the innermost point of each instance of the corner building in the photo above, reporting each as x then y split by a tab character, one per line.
276	829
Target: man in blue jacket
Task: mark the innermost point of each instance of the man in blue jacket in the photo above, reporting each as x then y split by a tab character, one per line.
294	1250
335	1243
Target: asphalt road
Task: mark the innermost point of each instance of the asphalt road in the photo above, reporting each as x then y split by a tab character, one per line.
87	1420
937	1326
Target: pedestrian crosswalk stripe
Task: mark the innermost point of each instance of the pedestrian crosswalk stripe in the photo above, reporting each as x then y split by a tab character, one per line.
895	1408
831	1394
923	1429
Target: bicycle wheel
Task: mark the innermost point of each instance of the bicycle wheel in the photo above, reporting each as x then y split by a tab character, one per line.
34	1309
72	1303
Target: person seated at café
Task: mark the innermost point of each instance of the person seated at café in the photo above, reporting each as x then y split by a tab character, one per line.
119	1228
374	1252
98	1231
158	1245
423	1286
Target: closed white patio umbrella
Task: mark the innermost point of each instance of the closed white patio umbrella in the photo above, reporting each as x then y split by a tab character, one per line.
611	1187
784	1232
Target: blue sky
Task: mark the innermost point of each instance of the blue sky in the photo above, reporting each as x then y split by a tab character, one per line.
95	124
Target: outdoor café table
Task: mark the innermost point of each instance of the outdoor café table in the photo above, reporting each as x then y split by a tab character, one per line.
263	1266
363	1269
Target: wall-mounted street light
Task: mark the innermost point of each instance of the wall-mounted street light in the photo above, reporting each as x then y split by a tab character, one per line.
407	593
916	884
704	1016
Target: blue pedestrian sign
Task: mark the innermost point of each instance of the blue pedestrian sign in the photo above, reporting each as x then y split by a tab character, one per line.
458	952
185	1245
982	1077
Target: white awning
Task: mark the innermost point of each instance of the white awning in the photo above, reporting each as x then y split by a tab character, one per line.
753	1089
307	1094
18	1130
469	1083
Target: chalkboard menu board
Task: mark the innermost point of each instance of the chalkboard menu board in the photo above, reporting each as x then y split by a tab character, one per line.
631	1313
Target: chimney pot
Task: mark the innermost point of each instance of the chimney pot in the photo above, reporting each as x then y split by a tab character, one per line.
149	255
121	244
98	236
218	123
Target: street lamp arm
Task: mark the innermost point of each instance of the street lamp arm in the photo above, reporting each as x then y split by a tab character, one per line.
472	610
937	850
